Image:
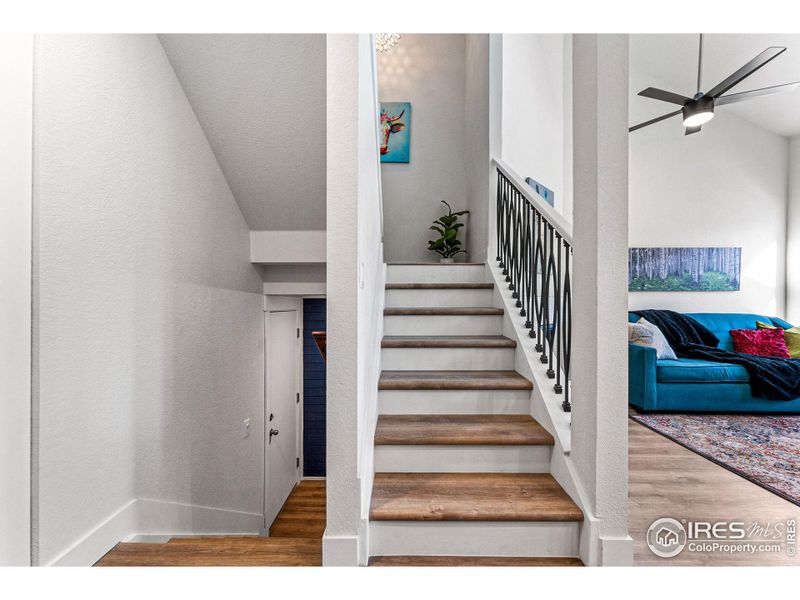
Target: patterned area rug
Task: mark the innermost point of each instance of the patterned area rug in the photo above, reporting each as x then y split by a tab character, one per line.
763	449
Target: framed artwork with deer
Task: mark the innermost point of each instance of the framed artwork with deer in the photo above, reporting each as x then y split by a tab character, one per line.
395	132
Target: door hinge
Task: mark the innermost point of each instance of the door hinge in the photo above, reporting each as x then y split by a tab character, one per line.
298	397
298	332
297	462
265	304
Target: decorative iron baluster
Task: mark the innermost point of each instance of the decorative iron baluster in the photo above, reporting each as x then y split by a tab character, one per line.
498	212
529	252
545	301
525	291
558	328
566	330
538	283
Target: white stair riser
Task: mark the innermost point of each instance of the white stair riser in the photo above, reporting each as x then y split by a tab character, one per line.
428	298
447	359
462	459
443	325
474	538
436	274
454	402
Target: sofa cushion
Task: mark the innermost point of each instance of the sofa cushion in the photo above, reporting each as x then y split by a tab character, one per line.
644	333
791	335
760	342
689	370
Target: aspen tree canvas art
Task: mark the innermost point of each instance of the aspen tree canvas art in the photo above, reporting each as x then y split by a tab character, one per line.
684	269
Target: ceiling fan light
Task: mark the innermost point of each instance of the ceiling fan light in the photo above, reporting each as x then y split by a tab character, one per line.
698	112
698	119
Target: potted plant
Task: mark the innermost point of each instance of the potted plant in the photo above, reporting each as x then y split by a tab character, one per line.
447	226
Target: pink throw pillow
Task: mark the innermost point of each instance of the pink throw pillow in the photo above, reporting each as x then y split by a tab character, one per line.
761	342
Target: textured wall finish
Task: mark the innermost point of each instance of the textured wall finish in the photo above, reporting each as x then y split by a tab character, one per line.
150	316
476	144
261	101
16	123
428	71
537	111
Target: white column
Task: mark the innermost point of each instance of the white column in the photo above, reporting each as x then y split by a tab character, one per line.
600	393
793	235
16	123
340	542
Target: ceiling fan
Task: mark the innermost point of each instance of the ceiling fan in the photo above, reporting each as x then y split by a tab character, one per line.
699	109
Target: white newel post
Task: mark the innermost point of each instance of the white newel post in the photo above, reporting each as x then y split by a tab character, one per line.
341	540
599	360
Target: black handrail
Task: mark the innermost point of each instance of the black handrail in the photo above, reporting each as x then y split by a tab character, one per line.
534	251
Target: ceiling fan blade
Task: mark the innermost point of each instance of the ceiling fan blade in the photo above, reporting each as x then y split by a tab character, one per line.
664	96
656	120
747	70
773	89
691	130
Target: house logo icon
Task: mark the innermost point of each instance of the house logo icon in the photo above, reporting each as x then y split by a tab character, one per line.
666	537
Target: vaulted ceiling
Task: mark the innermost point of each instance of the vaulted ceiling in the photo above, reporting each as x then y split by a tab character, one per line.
669	61
260	98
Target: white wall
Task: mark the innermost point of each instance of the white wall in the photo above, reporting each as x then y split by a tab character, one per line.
372	279
355	294
793	235
428	71
260	99
537	111
16	123
726	186
149	321
476	142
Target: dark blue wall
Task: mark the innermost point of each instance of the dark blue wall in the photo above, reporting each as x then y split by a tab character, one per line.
313	390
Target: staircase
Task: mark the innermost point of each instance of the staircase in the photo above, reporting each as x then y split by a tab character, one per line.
461	468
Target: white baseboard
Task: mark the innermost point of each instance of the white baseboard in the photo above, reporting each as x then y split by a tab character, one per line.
340	550
156	517
89	549
159	517
617	552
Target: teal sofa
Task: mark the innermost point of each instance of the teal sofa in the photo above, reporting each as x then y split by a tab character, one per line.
689	385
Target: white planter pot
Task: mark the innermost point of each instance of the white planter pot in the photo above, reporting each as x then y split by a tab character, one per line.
446	261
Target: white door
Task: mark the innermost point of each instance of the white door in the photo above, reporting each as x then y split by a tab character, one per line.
282	416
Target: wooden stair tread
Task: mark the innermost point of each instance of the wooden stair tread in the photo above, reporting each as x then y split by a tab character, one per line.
470	497
443	311
221	552
474	561
439	286
453	380
447	341
501	430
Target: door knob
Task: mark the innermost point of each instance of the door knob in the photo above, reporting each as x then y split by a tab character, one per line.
272	432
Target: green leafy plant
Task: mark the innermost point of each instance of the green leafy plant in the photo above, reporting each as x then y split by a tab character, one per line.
447	226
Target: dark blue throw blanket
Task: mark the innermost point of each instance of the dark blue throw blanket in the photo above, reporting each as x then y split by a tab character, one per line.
770	378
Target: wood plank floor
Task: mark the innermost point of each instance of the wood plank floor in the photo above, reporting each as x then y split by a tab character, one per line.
295	540
667	480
